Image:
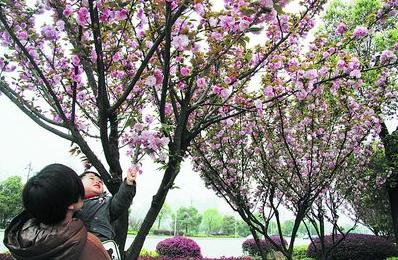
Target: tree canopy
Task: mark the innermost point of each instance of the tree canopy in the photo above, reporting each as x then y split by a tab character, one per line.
10	199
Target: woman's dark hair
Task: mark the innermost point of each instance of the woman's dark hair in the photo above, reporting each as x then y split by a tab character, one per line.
47	195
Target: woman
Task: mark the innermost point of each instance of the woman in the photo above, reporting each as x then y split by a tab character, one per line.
46	228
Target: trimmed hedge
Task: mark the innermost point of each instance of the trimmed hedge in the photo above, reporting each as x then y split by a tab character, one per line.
249	246
164	232
178	247
355	247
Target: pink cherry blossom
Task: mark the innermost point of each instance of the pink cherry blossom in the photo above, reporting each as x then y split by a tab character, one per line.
49	33
150	81
341	64
216	36
75	60
184	71
121	15
82	16
93	56
116	57
387	56
23	35
269	92
341	28
168	109
226	22
180	42
244	23
227	80
267	3
68	10
355	73
360	32
106	15
201	82
217	90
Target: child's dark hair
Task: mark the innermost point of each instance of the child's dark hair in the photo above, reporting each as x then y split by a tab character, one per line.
48	194
87	172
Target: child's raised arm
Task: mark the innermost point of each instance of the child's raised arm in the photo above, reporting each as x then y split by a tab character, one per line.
121	201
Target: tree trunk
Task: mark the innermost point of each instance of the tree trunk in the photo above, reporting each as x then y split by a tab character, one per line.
390	142
258	243
158	200
393	197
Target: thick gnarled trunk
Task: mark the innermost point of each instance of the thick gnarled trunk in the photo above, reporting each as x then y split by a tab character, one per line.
390	142
393	198
173	168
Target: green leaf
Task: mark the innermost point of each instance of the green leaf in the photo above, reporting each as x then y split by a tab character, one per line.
278	9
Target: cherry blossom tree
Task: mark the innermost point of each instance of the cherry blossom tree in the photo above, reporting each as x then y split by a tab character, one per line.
377	47
296	150
291	157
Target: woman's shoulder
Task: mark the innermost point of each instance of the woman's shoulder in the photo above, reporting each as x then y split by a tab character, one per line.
26	237
94	249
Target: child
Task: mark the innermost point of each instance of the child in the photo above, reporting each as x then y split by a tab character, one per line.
46	228
100	210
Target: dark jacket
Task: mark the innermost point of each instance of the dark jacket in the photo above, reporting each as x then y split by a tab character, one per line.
99	212
28	239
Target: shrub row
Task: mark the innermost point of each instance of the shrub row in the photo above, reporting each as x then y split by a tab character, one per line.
166	232
354	247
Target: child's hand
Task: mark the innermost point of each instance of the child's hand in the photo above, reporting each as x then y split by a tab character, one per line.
131	175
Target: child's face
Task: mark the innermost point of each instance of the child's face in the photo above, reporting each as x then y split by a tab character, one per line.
93	186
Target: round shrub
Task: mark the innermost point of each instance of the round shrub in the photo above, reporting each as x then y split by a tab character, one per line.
249	246
354	247
178	247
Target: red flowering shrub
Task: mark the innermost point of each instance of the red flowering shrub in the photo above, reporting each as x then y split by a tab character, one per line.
249	246
354	247
178	247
